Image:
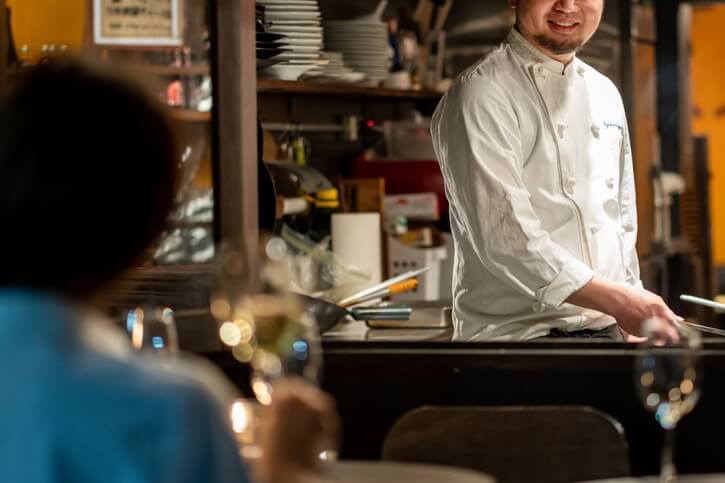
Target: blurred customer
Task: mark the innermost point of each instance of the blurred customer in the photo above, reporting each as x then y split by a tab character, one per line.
87	178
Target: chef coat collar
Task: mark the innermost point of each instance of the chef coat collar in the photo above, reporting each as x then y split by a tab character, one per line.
534	56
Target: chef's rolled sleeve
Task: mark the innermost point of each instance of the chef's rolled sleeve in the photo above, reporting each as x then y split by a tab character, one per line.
572	277
478	133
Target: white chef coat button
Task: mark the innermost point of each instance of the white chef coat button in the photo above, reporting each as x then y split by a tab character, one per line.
569	185
561	129
594	228
610	182
595	131
539	307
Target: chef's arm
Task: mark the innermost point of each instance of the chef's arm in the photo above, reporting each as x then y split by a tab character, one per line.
630	306
477	134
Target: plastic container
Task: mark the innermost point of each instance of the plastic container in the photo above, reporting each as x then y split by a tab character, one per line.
402	258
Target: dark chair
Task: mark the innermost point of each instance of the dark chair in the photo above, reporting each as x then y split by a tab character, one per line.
541	444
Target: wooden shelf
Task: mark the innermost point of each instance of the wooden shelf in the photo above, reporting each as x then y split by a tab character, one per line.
275	86
189	115
170	70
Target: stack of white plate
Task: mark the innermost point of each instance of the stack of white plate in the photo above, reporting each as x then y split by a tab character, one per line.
299	21
363	44
332	68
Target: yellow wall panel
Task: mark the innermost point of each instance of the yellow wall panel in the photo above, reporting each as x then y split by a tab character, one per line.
708	118
39	22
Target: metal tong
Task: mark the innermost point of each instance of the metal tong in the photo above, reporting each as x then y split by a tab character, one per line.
706	303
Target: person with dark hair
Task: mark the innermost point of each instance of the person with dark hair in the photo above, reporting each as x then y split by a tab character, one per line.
534	148
87	178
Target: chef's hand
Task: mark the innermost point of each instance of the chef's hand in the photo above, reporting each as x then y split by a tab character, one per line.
629	306
639	306
300	424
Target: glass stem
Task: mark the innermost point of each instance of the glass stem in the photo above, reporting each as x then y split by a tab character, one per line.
668	470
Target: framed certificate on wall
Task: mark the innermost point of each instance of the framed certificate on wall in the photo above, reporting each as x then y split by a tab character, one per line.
141	23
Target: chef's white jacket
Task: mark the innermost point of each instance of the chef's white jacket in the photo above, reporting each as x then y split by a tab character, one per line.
538	171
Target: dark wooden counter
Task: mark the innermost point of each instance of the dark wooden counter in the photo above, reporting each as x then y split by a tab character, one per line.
374	382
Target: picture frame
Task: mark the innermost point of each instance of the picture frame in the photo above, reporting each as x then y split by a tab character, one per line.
137	23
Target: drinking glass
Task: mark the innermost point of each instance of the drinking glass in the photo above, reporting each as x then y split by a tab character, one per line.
668	378
286	335
266	327
153	331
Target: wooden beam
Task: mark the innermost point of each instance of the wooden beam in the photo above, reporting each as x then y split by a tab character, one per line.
235	127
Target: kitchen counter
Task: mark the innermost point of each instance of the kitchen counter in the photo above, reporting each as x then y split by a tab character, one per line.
377	375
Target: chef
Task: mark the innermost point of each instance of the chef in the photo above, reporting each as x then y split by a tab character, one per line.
534	148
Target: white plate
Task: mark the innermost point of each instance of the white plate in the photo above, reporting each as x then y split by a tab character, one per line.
294	23
359	43
362	44
312	62
356	35
338	47
283	7
285	71
296	41
271	16
369	27
362	41
287	2
293	29
303	36
298	55
303	48
375	54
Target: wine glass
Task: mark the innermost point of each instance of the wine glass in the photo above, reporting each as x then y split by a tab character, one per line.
267	327
668	378
153	331
286	335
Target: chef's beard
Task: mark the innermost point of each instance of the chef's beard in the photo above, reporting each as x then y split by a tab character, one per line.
558	47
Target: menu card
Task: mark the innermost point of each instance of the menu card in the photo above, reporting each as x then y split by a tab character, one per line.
145	23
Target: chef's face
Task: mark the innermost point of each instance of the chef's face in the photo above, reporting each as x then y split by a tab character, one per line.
558	27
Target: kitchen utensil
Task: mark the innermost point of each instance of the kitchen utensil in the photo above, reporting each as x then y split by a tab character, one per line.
704	328
385	284
706	303
400	287
424	315
702	301
383	312
328	314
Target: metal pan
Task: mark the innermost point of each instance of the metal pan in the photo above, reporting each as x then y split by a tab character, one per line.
327	314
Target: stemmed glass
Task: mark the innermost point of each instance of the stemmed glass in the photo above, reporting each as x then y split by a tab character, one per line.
668	378
268	328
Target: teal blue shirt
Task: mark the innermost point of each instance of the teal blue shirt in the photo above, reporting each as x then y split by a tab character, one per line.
74	411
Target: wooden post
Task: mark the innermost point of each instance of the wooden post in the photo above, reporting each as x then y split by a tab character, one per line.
235	127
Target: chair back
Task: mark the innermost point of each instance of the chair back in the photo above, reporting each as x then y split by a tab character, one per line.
542	444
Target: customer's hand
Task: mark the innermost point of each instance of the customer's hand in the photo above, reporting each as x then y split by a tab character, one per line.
301	423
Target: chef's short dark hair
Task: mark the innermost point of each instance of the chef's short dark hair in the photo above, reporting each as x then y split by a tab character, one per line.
87	178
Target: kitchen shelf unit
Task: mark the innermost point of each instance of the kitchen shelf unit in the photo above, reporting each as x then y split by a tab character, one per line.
274	86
